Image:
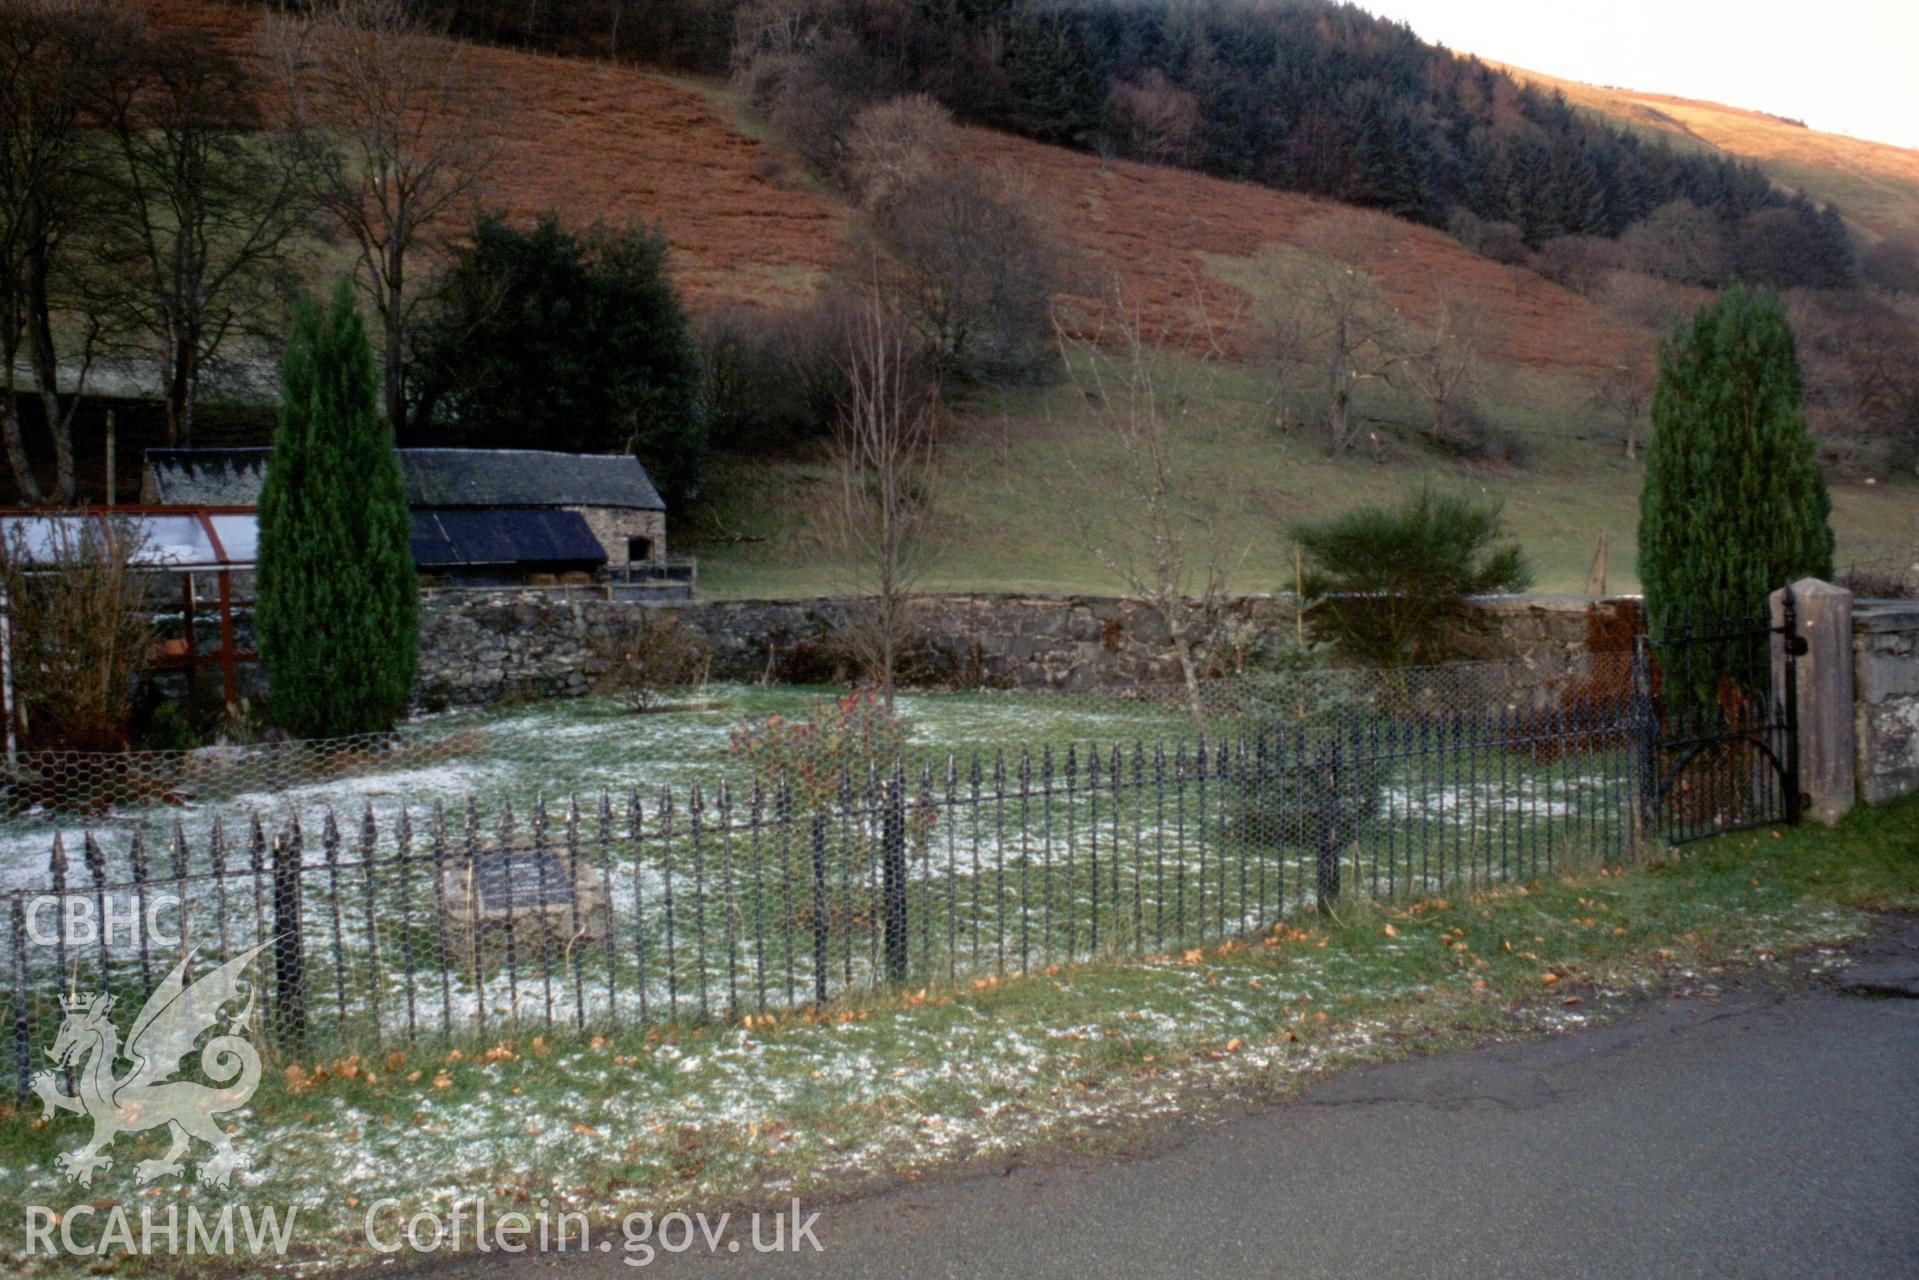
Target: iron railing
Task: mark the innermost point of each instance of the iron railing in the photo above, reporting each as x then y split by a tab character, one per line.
379	926
1722	749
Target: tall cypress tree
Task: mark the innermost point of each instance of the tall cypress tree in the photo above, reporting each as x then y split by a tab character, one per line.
337	614
1733	504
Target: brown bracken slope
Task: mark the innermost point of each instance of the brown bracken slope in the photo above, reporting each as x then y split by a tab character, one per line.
1156	231
594	141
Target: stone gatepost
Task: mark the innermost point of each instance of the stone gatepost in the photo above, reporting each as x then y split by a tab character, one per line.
1824	621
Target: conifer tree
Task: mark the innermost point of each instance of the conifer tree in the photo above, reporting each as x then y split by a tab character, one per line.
1733	505
337	608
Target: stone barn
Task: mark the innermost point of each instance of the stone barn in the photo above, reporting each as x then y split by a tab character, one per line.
480	516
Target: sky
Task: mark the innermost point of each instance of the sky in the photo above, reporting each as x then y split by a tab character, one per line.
1842	66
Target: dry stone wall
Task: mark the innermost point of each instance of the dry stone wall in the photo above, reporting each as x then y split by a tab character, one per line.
494	645
1885	670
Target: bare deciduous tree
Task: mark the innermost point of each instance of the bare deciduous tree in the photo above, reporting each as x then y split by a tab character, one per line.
893	145
1155	119
1640	300
771	29
1861	378
396	143
1580	262
1337	306
1679	242
1501	241
971	269
886	448
1892	265
1287	349
1165	553
51	52
1624	392
1440	363
206	212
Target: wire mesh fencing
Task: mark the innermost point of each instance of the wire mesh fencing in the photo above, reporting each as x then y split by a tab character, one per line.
584	744
103	784
377	924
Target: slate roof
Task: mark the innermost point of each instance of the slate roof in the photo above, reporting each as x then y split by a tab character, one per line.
446	536
434	478
526	478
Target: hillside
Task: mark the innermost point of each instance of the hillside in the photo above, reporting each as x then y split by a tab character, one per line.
746	223
594	141
1166	234
1874	184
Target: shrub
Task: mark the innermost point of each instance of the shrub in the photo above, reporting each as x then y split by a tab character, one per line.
1500	241
1390	585
851	742
1733	505
849	737
1579	262
1474	437
1297	708
774	379
170	728
1872	583
643	655
544	338
338	608
82	628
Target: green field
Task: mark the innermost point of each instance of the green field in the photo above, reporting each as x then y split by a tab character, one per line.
1031	485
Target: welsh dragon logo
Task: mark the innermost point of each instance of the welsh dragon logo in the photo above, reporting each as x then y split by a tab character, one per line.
173	1018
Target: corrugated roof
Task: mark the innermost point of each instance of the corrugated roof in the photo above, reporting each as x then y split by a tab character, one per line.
434	478
503	536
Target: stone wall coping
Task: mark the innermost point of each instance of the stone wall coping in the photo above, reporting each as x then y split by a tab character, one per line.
1552	603
1548	603
984	597
1877	616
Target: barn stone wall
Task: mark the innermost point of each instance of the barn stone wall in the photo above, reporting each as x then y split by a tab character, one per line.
613	526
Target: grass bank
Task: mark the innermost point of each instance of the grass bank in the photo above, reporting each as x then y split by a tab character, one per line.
1032	484
816	1103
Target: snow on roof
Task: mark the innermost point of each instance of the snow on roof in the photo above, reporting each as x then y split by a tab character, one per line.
434	478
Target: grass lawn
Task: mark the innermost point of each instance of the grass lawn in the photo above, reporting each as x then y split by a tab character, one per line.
564	747
816	1102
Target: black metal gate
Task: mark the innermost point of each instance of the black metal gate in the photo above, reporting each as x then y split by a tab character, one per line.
1720	745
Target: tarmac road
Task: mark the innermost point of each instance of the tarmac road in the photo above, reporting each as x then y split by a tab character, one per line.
1770	1131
